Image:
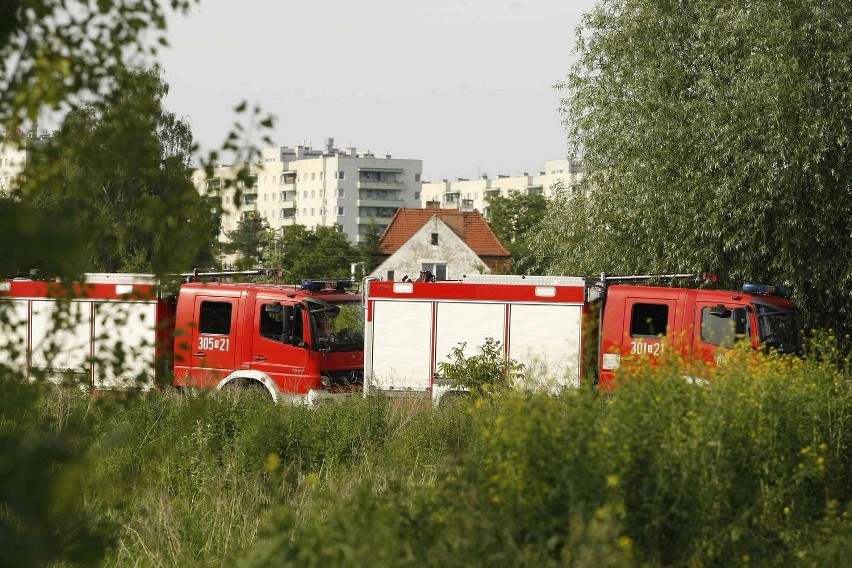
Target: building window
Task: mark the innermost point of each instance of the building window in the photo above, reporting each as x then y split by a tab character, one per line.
435	239
416	178
313	193
340	211
439	271
322	176
417	195
339	175
304	194
313	176
340	192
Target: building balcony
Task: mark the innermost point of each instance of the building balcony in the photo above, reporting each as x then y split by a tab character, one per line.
361	202
287	205
380	185
368	220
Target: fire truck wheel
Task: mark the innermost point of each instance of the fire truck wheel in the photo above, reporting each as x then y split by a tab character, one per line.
240	386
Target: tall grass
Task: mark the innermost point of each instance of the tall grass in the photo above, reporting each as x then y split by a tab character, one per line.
753	468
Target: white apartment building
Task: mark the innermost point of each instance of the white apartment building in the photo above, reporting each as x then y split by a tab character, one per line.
318	187
15	150
470	194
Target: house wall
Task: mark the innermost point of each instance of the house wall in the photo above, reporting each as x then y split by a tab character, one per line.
450	250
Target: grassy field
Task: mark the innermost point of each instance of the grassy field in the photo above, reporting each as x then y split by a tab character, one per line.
753	470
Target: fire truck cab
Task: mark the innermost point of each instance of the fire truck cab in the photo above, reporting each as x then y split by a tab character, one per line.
641	322
305	341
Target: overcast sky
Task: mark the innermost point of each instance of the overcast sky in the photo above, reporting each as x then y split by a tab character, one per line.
464	85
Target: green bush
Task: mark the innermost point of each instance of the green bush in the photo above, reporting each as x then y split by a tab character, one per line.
751	467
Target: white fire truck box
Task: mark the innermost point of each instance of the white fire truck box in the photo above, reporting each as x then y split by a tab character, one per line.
412	327
111	320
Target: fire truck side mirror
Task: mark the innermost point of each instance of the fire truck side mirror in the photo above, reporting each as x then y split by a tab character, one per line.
720	311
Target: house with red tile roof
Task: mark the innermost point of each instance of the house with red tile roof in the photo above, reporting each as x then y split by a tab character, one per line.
448	243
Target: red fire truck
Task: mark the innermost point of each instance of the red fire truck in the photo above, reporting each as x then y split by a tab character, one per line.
125	330
561	328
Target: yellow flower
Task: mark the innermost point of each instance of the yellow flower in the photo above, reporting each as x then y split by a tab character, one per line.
272	462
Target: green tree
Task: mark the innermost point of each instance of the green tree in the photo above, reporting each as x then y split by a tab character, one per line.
131	197
248	240
715	136
323	253
54	54
513	219
370	251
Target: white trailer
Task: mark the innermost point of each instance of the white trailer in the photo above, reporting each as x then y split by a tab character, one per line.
412	327
103	333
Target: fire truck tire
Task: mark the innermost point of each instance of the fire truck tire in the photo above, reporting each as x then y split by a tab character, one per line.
248	386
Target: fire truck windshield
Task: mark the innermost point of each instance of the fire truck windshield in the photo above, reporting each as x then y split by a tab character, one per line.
337	326
779	327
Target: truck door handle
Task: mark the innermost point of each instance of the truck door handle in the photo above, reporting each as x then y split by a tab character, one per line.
259	358
198	354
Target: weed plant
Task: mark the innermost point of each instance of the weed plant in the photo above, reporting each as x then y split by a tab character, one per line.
752	467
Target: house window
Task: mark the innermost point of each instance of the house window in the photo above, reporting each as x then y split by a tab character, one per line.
435	239
439	270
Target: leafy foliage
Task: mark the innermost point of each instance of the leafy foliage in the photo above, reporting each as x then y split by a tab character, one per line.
514	219
55	52
487	372
324	252
666	473
715	137
248	240
370	252
42	518
133	205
